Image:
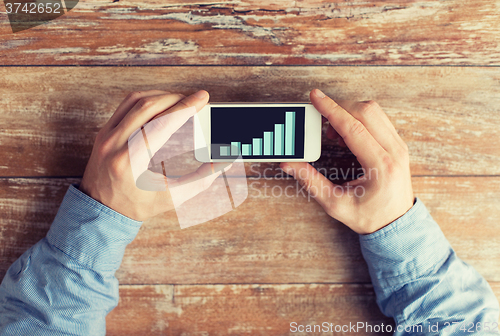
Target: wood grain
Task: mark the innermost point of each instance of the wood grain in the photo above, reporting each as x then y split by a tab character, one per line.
275	259
288	240
240	309
28	207
244	309
257	32
448	116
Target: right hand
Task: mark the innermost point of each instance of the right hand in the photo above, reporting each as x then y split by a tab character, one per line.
384	193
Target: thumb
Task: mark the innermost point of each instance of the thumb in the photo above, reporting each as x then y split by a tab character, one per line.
145	141
317	185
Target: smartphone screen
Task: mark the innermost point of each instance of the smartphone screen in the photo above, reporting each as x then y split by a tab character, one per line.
257	132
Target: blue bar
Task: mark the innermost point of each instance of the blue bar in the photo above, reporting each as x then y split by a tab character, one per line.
289	133
235	148
224	150
268	143
257	146
246	149
279	139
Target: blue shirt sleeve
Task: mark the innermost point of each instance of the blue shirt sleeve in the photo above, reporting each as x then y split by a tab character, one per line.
419	280
65	284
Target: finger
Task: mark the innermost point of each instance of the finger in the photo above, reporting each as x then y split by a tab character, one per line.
148	108
356	107
143	111
125	106
318	186
376	121
163	125
198	100
190	185
359	140
144	142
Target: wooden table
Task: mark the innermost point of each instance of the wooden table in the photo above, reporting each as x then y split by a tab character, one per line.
433	66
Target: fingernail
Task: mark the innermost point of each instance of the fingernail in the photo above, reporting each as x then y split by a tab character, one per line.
319	94
201	94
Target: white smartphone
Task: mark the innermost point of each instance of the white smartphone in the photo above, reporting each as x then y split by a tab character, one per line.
257	132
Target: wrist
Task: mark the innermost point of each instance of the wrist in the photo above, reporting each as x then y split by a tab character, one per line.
413	239
85	188
82	223
394	219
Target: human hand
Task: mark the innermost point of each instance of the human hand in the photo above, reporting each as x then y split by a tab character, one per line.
111	173
384	193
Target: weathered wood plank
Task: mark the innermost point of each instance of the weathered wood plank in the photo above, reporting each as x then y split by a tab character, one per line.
265	240
28	207
245	309
241	309
257	32
448	116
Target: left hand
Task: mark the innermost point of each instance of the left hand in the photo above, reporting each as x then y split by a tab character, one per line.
109	176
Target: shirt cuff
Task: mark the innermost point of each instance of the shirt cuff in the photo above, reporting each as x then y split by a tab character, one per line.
410	247
90	232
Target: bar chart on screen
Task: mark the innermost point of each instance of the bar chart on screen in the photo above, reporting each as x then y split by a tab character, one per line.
278	140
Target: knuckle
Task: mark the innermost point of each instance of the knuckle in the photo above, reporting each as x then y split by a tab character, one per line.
355	128
99	136
104	147
183	104
369	108
135	95
119	163
115	168
146	103
372	103
388	164
101	151
306	183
